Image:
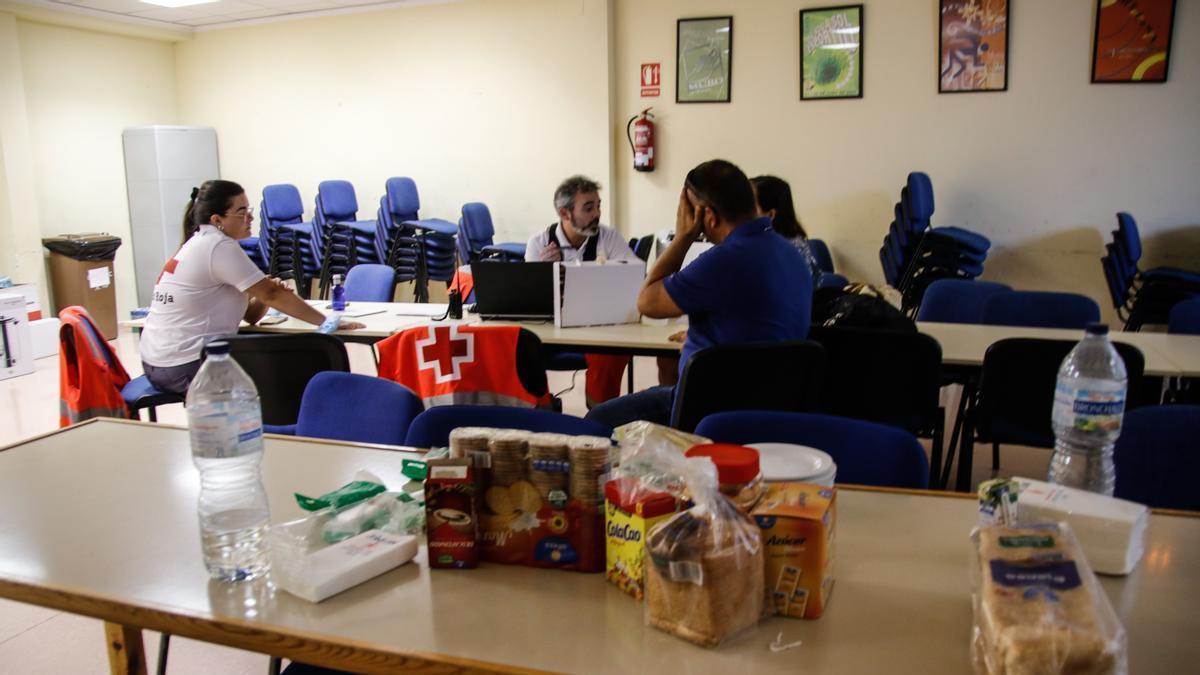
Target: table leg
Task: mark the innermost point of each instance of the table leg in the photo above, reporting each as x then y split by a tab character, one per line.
126	656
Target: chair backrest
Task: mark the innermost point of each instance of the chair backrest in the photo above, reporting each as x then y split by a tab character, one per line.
920	199
403	202
1040	309
1185	317
821	253
357	408
431	429
281	205
865	453
1156	457
336	201
1128	237
282	365
881	376
475	230
643	247
958	300
370	283
1117	292
779	376
1016	388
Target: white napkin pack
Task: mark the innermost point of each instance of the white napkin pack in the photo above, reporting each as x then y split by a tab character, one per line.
1112	531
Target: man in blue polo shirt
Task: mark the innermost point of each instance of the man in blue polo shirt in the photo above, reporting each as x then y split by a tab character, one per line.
752	286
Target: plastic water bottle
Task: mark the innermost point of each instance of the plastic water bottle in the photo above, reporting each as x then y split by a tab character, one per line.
225	420
338	304
1089	402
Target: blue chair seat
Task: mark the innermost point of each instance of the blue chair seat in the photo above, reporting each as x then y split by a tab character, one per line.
566	361
507	248
434	225
138	393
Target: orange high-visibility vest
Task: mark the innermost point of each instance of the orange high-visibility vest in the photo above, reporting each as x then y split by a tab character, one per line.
457	364
90	375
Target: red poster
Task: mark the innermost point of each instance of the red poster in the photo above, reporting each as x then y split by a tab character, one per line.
1133	40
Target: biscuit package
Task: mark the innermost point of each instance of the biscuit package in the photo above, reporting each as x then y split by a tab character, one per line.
450	520
704	579
798	524
1038	607
542	496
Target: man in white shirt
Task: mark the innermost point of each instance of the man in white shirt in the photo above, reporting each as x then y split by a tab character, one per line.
578	234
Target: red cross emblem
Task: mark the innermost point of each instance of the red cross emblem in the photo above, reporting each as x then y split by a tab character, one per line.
169	268
444	351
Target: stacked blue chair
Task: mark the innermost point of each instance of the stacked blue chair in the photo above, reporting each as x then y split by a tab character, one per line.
914	254
1142	297
420	250
342	240
256	250
475	233
286	238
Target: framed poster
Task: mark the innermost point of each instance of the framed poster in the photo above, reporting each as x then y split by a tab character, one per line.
1133	40
973	46
704	59
831	47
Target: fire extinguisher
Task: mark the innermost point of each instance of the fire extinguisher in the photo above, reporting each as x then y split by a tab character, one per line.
641	140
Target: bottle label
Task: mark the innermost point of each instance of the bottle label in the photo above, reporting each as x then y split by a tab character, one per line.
216	433
1094	406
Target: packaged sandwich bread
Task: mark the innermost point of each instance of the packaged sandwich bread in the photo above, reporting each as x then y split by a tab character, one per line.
1038	607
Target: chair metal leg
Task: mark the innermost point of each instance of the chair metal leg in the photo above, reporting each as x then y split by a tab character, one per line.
966	454
153	412
274	666
995	456
935	452
968	389
164	644
629	376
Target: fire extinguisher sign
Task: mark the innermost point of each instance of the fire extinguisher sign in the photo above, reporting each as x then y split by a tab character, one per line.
650	80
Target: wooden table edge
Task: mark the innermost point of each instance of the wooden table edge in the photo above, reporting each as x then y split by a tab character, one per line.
292	644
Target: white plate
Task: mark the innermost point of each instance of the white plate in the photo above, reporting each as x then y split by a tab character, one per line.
788	462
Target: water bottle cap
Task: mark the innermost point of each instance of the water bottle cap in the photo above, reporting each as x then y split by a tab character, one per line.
1097	329
216	348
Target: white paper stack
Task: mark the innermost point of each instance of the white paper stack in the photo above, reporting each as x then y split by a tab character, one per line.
1112	531
328	571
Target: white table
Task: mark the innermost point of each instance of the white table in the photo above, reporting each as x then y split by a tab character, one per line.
100	520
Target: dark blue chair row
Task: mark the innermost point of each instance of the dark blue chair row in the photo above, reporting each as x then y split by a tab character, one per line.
995	304
1142	297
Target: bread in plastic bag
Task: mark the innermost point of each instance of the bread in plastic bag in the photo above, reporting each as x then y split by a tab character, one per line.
653	456
705	579
1038	607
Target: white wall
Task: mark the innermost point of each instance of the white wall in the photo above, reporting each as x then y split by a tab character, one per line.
476	101
1039	169
20	243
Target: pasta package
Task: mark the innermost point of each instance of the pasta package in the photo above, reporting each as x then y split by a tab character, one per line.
1038	607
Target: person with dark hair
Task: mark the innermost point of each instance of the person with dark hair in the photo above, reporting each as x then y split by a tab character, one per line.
209	286
578	234
752	286
774	199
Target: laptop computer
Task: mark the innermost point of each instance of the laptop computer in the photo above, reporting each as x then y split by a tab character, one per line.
514	290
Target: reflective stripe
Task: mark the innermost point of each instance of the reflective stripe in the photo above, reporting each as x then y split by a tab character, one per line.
476	398
77	416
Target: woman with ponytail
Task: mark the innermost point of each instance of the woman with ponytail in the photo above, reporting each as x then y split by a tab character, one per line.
209	286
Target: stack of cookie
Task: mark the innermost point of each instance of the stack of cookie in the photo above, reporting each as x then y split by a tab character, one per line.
508	449
464	441
590	462
549	462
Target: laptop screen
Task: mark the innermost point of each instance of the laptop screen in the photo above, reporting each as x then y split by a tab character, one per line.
514	289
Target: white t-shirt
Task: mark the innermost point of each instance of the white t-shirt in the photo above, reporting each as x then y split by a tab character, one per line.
610	247
200	295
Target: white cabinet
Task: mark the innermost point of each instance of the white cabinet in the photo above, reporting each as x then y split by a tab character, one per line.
162	165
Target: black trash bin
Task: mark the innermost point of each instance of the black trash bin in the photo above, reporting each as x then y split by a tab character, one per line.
81	273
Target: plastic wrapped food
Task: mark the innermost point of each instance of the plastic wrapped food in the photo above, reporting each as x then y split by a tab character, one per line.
1038	608
705	582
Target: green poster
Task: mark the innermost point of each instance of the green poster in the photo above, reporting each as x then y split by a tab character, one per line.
831	52
704	52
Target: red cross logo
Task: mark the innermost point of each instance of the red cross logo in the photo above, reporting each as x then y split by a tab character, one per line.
444	351
169	268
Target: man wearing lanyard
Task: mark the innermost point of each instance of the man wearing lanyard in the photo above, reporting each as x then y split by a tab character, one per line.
752	286
579	236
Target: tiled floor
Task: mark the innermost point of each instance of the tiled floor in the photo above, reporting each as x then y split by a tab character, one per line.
34	641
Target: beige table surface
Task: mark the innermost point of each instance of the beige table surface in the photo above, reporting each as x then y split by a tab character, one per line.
100	520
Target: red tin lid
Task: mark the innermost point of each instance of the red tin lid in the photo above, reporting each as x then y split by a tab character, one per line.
735	463
632	497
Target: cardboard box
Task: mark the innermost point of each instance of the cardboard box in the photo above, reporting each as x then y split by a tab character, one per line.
452	541
44	336
629	513
88	283
798	523
16	346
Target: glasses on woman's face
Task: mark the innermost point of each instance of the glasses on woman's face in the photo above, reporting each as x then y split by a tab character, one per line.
244	213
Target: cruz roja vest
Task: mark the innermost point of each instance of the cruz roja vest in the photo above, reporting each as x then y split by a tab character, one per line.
90	374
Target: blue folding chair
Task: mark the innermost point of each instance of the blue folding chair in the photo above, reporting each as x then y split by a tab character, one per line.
289	248
1156	457
343	240
475	234
140	394
1040	309
356	408
958	300
370	283
431	429
866	453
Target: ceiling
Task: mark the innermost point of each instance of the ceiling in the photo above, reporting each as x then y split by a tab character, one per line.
220	14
